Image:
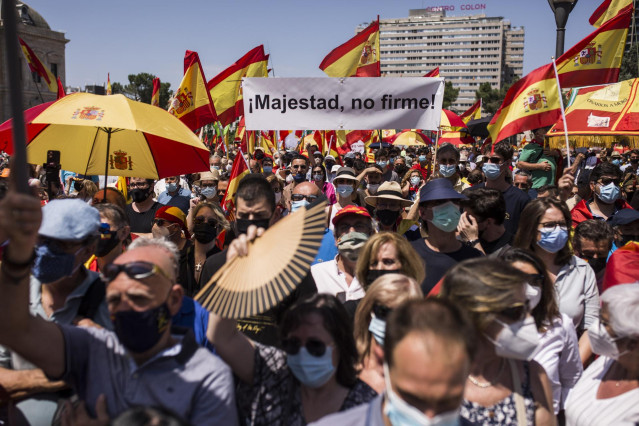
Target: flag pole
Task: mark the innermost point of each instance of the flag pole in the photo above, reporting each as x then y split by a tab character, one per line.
37	87
563	112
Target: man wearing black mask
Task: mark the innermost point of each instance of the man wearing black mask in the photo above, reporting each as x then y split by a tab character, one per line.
592	242
255	205
142	210
400	166
389	208
114	231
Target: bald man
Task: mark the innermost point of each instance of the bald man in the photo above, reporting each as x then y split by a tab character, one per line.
303	194
142	362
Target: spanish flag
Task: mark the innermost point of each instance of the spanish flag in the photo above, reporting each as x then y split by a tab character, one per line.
155	96
239	170
473	113
608	10
61	92
433	73
358	57
109	90
191	102
267	140
226	90
346	138
533	101
35	65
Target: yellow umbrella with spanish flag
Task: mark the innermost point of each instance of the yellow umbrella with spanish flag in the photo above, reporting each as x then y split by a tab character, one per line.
114	135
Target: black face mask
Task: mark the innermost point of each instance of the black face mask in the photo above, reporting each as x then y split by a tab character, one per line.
634	161
400	169
626	238
242	225
387	217
373	274
329	165
77	185
140	331
299	177
204	233
138	195
105	245
597	264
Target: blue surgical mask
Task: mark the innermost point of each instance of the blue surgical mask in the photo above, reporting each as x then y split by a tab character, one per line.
296	205
311	371
401	413
616	162
267	169
446	217
299	177
609	193
492	171
415	180
422	158
447	171
344	190
377	327
50	265
382	164
553	239
209	192
171	187
392	160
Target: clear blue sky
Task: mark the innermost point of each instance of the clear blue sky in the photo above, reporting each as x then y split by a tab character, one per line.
131	36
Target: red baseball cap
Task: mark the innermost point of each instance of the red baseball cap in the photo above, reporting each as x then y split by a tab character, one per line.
350	210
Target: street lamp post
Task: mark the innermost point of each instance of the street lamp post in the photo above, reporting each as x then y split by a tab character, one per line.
561	9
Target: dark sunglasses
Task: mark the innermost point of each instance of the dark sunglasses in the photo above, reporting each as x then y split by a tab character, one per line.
300	197
201	219
517	312
136	270
106	232
315	347
493	160
381	312
162	222
608	181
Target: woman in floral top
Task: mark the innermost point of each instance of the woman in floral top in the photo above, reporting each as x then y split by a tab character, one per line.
313	376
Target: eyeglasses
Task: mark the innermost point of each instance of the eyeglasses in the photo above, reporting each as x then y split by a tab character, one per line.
447	161
315	347
553	225
381	312
208	185
142	185
299	166
494	160
106	232
536	279
608	181
516	312
161	222
300	197
201	219
521	185
343	228
136	270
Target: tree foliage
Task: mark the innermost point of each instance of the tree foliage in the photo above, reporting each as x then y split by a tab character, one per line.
629	67
450	95
140	88
491	99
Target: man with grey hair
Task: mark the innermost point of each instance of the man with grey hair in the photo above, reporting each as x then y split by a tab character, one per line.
142	362
522	180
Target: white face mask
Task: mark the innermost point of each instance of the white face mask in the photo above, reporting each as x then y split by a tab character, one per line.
518	340
533	294
401	413
602	343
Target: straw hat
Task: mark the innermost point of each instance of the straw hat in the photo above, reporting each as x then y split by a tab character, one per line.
388	191
346	173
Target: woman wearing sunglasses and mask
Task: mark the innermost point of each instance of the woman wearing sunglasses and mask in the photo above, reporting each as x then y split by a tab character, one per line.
558	350
313	375
608	391
505	386
573	279
385	294
318	177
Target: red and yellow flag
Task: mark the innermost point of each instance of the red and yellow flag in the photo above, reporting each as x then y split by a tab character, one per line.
433	73
473	113
346	138
155	96
239	170
109	90
191	102
225	88
35	65
61	92
533	101
608	10
358	57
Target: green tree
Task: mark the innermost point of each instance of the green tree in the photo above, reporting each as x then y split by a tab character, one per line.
629	67
450	95
491	99
140	88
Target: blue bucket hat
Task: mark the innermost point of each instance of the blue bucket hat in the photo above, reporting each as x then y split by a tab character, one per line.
69	219
439	189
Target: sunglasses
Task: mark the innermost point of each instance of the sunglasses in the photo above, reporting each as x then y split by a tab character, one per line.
300	197
162	222
106	232
494	160
315	347
520	185
381	312
608	181
136	270
517	312
201	219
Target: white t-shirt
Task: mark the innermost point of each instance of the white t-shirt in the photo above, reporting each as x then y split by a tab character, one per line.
330	280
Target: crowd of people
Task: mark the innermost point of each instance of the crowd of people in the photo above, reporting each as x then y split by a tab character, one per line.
453	285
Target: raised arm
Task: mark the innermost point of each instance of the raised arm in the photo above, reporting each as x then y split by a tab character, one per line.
37	340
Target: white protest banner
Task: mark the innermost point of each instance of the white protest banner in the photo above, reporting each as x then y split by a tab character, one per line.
342	103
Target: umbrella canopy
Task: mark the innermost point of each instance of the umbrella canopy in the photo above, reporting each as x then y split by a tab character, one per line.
478	127
377	145
6	131
600	116
411	138
96	133
450	119
456	138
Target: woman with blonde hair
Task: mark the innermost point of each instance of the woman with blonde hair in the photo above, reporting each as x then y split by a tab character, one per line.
505	385
384	295
388	252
